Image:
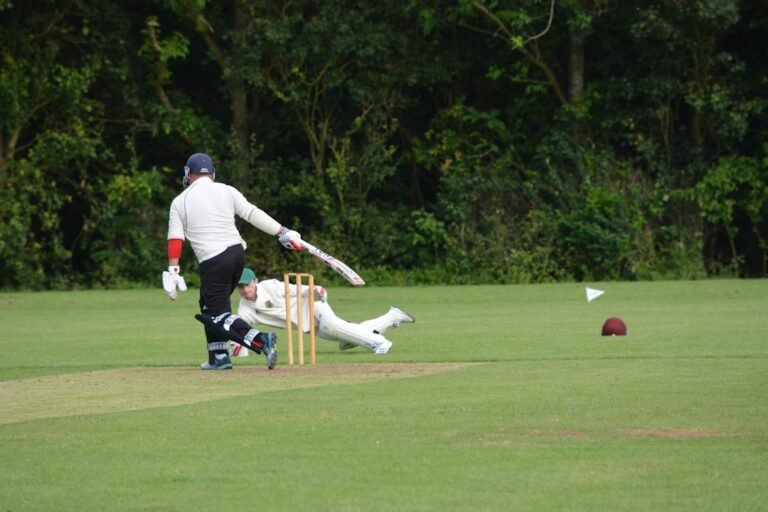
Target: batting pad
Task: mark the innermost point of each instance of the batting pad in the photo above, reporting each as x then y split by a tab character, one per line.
231	327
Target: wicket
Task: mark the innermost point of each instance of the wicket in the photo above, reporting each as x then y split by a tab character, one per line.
297	277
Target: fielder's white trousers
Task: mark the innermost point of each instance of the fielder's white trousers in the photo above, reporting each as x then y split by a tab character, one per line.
331	327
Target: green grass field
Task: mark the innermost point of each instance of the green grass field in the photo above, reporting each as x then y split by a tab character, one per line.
497	398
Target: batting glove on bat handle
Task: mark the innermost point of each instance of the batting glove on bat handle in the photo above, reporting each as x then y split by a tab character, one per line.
172	281
290	239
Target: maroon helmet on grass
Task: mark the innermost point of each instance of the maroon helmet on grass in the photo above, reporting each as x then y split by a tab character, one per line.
614	326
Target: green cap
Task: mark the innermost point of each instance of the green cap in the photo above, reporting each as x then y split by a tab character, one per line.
247	277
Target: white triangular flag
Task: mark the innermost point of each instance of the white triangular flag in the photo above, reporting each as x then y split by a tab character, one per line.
592	294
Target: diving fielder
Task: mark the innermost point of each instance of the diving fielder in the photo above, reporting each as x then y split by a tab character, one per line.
263	302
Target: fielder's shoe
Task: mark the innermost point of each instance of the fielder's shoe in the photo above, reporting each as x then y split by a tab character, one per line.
219	363
345	345
269	340
382	347
401	317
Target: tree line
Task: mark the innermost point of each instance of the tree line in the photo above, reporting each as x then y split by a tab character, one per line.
421	141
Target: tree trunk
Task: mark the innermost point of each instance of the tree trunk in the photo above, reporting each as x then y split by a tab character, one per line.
239	100
575	67
238	103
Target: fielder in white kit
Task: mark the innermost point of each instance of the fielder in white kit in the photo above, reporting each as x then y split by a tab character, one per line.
263	302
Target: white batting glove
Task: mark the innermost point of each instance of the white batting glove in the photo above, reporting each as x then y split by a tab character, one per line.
290	239
173	280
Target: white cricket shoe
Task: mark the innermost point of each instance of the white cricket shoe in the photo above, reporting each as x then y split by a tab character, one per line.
345	345
401	317
382	347
237	350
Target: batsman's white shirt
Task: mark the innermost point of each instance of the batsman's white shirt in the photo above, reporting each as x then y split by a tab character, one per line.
205	213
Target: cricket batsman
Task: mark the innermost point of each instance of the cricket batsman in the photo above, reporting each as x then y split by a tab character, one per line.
204	214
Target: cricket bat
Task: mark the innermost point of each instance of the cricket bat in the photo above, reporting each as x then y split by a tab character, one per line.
337	266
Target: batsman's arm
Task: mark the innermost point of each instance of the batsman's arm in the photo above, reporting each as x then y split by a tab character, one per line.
260	219
174	251
172	279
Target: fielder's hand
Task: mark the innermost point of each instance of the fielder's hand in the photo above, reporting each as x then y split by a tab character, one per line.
290	239
321	294
173	280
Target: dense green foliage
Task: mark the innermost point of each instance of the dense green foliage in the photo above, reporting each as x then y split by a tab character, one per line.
446	141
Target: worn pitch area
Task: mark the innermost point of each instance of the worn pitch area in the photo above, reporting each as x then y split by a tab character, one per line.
132	389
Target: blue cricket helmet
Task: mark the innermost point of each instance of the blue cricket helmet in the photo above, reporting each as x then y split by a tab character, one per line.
199	163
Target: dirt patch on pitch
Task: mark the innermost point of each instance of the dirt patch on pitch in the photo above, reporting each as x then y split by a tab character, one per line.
673	433
558	433
132	389
531	437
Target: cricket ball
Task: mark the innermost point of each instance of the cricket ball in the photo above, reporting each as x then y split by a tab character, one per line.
614	326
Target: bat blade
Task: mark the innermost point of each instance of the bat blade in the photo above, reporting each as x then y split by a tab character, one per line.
334	264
